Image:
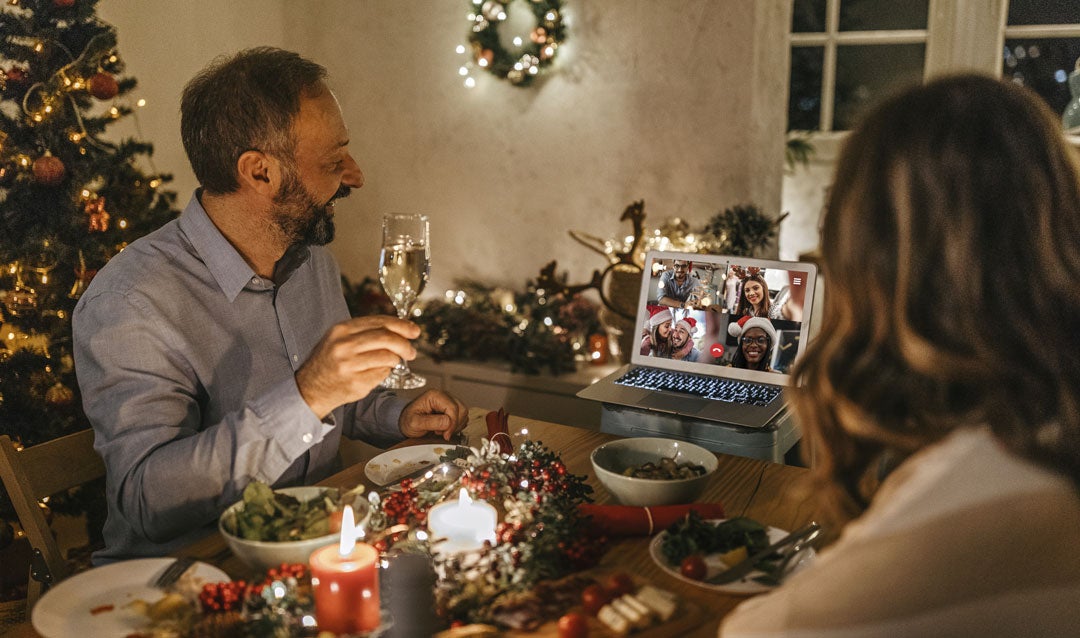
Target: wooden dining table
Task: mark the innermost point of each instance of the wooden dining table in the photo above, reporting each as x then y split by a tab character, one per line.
776	495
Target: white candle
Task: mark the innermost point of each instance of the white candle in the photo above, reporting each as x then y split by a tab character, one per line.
464	523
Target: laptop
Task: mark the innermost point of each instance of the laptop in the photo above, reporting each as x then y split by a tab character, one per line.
719	360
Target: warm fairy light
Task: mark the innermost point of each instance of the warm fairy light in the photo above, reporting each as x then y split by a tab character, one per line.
482	62
122	223
470	83
24	160
141	102
517	41
115	112
39	47
76	136
460	48
85	193
550	15
113	58
154	183
463	71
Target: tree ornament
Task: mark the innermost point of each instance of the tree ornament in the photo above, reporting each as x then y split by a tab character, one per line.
98	221
103	86
49	170
59	395
16	76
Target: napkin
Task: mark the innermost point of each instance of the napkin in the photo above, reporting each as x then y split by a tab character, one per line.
627	520
497	427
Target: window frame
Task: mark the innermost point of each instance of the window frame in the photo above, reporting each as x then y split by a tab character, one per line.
960	35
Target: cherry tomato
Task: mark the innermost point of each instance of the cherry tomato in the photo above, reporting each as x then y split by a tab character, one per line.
593	598
573	625
620	583
693	566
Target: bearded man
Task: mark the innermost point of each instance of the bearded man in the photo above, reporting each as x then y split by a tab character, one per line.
218	350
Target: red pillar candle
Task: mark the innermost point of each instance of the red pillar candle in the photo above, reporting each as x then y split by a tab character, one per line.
345	581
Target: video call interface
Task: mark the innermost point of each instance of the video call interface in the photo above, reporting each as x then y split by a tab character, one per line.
724	314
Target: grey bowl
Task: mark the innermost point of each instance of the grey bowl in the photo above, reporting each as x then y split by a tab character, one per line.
611	459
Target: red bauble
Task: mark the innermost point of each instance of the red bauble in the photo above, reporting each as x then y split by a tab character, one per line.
103	86
15	75
49	170
63	4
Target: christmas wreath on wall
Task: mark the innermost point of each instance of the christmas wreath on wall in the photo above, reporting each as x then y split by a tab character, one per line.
521	65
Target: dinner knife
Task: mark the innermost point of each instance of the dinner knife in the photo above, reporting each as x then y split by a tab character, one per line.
748	564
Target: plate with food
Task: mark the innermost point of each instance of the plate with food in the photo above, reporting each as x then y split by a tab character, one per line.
117	599
393	465
694	550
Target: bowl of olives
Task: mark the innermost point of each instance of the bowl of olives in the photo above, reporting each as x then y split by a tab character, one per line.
650	471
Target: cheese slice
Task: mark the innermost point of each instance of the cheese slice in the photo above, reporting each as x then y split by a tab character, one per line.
662	602
639	621
613	620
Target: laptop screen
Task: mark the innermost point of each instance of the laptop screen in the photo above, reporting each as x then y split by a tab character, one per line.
727	316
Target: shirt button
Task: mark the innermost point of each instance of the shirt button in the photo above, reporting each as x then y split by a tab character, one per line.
307	438
254	280
296	357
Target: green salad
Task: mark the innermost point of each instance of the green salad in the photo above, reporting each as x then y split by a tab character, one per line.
266	515
691	535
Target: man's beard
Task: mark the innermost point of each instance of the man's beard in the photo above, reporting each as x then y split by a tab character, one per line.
300	218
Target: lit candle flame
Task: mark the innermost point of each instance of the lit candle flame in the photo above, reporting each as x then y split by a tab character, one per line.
463	498
348	532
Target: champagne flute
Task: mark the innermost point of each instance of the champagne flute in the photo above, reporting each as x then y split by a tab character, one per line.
403	272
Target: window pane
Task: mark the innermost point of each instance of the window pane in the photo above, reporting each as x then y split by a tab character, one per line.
1044	12
804	96
867	73
808	16
1044	65
875	15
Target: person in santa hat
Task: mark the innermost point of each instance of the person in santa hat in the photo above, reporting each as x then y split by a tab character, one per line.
682	340
656	337
757	337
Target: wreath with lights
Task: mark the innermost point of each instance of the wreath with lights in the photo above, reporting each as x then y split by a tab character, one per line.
521	66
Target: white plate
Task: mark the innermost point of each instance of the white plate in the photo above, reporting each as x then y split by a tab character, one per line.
390	466
746	585
67	609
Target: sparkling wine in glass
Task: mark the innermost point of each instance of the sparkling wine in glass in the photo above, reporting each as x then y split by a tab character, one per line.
403	272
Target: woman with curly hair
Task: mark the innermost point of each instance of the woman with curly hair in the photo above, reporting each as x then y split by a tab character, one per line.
949	350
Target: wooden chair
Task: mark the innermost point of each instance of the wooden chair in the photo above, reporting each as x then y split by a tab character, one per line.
38	471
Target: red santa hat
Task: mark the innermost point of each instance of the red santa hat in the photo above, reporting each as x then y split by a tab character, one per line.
659	315
737	328
689	324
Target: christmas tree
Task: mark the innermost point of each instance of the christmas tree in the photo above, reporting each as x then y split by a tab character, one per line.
69	200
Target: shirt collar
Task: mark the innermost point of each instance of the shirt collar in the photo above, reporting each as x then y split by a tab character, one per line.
223	261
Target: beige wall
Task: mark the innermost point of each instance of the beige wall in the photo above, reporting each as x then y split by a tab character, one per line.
680	104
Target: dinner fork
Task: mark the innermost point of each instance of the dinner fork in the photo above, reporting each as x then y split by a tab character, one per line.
173	572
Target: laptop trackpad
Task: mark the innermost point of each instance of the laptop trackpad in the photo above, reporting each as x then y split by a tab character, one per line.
678	405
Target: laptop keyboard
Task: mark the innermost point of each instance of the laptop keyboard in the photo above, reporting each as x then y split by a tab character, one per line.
707	387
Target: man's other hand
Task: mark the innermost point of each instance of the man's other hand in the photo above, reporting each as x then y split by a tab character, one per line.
434	412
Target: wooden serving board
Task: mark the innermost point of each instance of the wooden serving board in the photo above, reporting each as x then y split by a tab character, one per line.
687	616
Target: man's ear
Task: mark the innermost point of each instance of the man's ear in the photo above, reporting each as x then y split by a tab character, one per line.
258	172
